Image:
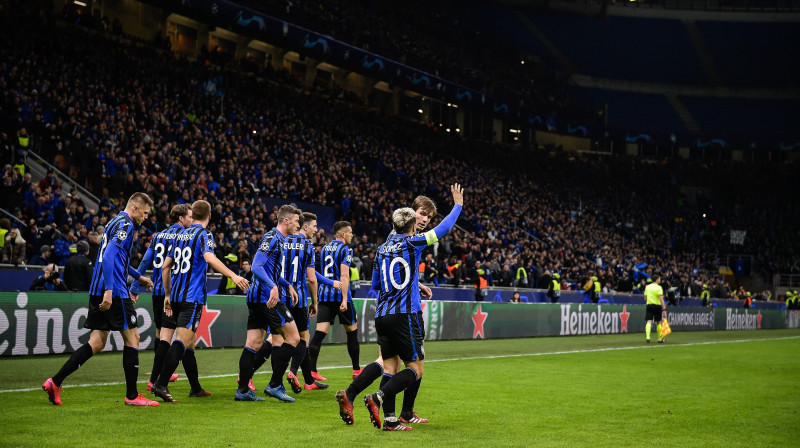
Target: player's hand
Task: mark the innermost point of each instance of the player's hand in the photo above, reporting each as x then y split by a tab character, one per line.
425	292
294	296
274	295
134	297
312	309
343	306
241	282
337	285
458	194
167	306
145	281
106	303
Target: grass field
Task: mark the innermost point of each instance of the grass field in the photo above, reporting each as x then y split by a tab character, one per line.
701	389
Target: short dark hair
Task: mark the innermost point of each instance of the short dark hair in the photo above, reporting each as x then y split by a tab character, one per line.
287	210
426	204
339	225
201	210
307	217
179	211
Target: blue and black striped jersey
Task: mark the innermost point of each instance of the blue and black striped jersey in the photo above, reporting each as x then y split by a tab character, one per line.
160	248
189	266
266	266
331	257
298	256
396	275
113	258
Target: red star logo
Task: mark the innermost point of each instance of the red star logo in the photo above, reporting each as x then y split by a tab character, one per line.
478	319
207	319
623	320
758	320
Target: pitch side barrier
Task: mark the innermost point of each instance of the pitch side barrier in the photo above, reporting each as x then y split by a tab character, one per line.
52	323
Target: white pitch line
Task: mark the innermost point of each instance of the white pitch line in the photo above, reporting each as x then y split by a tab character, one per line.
514	355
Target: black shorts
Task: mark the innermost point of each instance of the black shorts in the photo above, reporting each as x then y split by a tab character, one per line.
400	335
121	315
327	312
300	315
184	315
653	313
262	318
158	310
421	322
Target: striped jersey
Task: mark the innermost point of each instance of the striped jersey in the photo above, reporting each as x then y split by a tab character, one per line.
331	257
114	253
397	262
298	256
189	267
160	248
268	258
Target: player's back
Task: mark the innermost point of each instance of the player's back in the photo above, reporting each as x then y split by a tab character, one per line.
271	247
397	262
331	257
188	272
118	231
162	248
298	255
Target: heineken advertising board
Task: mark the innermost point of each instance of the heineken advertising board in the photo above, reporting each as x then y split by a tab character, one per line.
52	323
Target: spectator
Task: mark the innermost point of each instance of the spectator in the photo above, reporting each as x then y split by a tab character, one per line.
78	269
49	281
43	258
515	297
14	249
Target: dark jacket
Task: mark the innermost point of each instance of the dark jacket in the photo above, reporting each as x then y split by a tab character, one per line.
78	273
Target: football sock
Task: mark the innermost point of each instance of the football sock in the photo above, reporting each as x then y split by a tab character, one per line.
130	364
298	356
647	329
389	399
162	347
246	368
410	396
190	367
353	348
367	376
78	358
306	366
658	328
261	356
280	361
314	346
171	361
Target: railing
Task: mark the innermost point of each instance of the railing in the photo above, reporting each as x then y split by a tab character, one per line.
715	5
12	217
787	280
64	178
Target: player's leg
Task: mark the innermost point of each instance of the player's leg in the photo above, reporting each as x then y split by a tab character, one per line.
300	315
163	339
186	318
407	415
281	320
130	364
254	341
326	314
350	321
263	353
368	375
192	373
97	342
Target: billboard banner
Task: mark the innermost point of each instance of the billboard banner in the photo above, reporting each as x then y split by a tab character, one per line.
52	323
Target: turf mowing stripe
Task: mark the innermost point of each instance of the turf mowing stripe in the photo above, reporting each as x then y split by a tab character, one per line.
513	355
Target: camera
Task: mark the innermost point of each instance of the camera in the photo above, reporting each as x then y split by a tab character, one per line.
54	275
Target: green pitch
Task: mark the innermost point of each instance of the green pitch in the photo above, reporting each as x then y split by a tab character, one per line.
702	389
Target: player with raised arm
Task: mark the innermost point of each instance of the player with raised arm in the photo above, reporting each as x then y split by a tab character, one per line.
160	246
298	269
267	311
396	317
425	210
110	304
335	260
185	290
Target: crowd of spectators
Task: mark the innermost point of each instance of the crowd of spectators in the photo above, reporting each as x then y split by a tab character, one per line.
123	116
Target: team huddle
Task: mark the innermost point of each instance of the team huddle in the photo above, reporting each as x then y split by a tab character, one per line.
285	293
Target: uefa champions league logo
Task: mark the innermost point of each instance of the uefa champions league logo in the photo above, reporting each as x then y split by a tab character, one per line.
122	235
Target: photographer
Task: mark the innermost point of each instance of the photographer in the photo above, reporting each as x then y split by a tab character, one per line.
49	281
